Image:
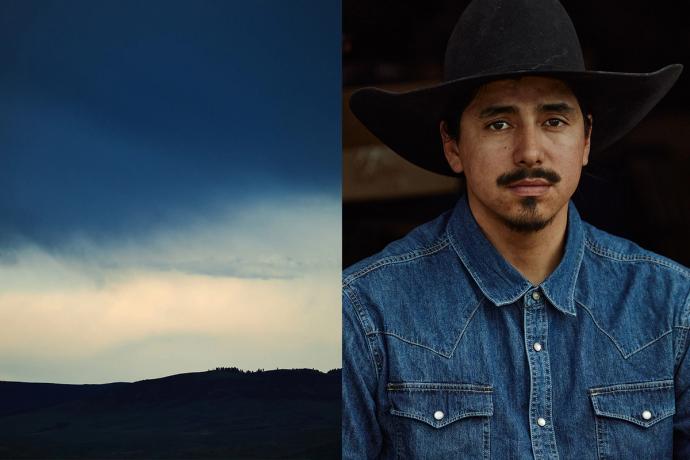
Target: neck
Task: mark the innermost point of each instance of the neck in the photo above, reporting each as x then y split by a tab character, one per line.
534	254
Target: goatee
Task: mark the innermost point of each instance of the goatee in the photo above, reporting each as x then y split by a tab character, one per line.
528	221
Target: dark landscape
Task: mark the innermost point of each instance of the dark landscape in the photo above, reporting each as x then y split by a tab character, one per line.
223	413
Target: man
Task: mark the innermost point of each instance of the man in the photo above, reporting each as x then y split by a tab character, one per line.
508	327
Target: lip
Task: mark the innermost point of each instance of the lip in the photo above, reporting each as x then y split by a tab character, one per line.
530	187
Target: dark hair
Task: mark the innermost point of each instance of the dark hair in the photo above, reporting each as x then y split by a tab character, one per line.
456	108
454	111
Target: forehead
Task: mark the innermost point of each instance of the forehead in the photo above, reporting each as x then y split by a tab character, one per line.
529	90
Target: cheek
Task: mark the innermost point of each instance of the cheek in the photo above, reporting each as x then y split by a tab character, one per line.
481	174
484	157
571	172
476	167
571	157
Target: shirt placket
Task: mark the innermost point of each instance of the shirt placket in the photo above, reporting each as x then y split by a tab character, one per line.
540	404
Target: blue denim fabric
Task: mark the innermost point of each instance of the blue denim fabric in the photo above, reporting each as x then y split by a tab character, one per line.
448	352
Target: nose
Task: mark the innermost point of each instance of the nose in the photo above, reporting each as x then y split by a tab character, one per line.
529	149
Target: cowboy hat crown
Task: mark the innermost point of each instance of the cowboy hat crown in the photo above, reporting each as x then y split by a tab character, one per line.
499	36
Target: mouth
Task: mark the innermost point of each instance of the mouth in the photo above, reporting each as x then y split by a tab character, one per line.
530	187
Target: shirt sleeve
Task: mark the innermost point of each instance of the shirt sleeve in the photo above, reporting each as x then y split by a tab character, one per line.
361	433
681	420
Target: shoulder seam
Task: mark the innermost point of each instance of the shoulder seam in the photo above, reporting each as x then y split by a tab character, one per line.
359	311
388	260
684	332
684	316
613	255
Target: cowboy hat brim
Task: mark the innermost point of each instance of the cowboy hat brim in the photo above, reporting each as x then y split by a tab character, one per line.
408	122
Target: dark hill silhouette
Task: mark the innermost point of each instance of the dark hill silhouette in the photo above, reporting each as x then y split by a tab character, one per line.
224	413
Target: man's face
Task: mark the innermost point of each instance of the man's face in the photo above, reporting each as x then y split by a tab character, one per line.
522	145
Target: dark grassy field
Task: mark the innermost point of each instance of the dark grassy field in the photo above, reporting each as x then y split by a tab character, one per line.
230	414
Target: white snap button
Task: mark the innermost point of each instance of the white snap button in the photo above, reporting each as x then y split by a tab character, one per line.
541	421
646	415
537	346
438	415
536	296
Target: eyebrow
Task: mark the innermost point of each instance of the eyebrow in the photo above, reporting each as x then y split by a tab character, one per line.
493	110
561	107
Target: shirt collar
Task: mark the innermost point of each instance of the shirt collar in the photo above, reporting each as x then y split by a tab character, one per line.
499	280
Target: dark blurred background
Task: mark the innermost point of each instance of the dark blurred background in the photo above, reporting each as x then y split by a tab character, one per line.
638	188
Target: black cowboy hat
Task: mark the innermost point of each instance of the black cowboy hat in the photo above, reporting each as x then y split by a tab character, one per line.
496	39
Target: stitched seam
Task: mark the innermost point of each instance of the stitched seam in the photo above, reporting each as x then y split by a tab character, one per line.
549	385
600	437
532	416
609	254
651	343
640	386
411	342
601	329
427	386
576	273
681	348
682	351
686	317
664	415
389	260
620	349
425	419
467	324
359	311
445	354
636	387
458	390
682	345
487	438
448	354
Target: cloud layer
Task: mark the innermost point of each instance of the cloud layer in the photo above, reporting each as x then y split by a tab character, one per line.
251	288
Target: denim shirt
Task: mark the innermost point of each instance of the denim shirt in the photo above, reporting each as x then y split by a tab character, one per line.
448	352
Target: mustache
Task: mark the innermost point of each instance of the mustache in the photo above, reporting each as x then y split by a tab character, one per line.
504	180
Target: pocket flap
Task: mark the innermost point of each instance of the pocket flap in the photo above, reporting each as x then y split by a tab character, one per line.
641	403
439	404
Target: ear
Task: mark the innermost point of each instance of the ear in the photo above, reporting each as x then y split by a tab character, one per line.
588	144
451	149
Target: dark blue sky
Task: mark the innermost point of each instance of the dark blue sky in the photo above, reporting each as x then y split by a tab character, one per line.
117	117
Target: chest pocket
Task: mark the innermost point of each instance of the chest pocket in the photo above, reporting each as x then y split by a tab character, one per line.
441	420
634	420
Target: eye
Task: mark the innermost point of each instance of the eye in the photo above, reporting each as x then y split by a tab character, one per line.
499	125
554	122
